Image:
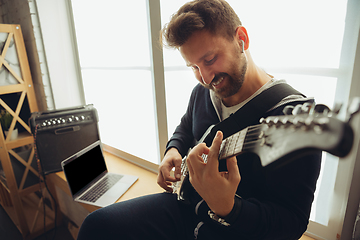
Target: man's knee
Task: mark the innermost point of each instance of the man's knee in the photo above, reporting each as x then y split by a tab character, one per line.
92	225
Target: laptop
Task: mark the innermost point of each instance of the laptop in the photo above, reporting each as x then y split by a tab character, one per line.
89	180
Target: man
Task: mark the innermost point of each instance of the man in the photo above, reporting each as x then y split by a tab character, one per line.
243	200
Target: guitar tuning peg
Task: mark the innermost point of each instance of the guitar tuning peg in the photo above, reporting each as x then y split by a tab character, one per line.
270	121
322	108
306	107
288	110
274	121
285	121
298	122
297	109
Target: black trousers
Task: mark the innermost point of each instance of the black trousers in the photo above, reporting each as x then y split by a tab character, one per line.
159	216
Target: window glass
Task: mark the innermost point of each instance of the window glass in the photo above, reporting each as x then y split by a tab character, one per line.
179	84
294	34
322	88
179	80
108	34
113	44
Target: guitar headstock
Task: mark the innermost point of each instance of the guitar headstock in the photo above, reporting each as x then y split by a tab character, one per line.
305	128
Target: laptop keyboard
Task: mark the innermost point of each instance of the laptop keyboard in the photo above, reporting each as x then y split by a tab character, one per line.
100	188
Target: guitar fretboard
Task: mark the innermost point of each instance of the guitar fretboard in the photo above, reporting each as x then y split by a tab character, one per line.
232	145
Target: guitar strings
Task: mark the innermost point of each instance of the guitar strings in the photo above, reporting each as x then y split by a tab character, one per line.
240	141
250	139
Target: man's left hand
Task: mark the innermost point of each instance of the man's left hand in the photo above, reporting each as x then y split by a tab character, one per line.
216	188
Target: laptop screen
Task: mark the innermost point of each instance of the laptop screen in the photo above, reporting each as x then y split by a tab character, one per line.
84	167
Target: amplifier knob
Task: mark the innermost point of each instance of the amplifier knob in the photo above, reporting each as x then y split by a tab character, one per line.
76	118
44	124
82	118
70	120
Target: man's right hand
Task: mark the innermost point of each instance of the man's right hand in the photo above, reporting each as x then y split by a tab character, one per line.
172	159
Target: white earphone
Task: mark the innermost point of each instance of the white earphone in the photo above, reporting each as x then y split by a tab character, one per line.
242	46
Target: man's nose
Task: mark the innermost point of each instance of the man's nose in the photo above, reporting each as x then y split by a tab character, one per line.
206	76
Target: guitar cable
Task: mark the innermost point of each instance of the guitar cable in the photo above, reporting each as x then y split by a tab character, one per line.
46	186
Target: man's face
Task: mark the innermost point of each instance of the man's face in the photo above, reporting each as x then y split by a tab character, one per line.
218	63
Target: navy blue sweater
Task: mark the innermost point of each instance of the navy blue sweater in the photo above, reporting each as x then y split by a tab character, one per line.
275	201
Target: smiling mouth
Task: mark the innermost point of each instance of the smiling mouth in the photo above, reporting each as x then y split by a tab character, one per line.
217	82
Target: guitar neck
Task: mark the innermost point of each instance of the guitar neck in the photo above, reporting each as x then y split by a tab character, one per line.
234	144
277	137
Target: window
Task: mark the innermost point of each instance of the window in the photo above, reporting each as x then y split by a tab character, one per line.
113	44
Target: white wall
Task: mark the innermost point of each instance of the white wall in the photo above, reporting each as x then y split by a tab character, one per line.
57	28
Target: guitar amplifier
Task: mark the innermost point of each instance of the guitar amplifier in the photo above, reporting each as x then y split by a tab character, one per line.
61	133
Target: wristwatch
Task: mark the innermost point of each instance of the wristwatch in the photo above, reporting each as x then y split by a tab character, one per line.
234	212
218	219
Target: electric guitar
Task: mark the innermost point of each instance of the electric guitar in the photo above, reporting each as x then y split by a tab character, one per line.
284	137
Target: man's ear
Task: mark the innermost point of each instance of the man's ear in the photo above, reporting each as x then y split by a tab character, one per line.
241	34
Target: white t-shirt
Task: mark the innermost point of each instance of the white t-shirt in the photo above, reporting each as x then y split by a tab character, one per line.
224	112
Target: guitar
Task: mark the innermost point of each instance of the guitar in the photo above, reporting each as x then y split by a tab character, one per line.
284	137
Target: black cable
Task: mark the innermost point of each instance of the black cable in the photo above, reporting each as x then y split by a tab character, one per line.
46	186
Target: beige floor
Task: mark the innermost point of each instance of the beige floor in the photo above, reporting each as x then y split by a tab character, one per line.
306	238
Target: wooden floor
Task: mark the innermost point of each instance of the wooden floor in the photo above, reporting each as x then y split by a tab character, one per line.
306	238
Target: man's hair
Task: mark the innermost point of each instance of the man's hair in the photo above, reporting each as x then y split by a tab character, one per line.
215	16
